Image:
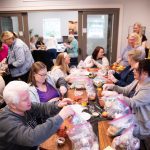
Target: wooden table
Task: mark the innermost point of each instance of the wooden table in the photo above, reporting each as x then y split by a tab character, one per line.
104	139
51	144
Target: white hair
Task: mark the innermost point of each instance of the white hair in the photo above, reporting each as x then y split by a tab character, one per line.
12	90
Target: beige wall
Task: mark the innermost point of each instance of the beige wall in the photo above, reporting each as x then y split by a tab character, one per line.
130	10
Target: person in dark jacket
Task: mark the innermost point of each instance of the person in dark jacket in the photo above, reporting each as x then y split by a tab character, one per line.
19	128
126	76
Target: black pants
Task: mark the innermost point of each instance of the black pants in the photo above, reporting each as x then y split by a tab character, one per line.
8	78
23	77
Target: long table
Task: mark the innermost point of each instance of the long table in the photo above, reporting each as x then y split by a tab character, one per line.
99	128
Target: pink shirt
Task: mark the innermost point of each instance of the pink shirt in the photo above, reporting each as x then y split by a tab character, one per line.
3	52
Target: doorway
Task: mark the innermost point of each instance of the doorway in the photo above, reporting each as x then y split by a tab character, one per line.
16	22
98	28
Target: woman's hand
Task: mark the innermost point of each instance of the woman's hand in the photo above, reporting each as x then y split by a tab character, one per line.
64	102
109	93
108	87
112	78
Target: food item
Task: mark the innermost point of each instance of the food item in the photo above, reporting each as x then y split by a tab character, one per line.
112	130
104	114
95	114
101	103
62	131
99	92
92	75
109	148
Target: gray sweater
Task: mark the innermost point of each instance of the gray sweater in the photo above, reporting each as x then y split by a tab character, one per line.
19	56
140	104
23	132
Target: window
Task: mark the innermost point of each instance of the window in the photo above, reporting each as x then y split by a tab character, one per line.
96	25
51	27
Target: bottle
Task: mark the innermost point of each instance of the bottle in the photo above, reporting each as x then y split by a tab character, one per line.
99	92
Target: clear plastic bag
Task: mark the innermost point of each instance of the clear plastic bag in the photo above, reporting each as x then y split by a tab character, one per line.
126	141
116	107
117	126
82	135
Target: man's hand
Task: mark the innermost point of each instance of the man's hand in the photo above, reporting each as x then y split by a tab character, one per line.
63	90
64	102
66	112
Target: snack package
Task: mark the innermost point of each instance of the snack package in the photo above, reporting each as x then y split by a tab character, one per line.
115	107
126	141
82	135
117	126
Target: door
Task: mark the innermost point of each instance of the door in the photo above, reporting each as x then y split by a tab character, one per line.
15	22
98	28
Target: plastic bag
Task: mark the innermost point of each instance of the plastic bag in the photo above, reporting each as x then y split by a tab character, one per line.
126	141
117	126
82	135
81	64
116	107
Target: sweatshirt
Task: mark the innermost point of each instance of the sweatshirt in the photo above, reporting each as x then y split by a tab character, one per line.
23	132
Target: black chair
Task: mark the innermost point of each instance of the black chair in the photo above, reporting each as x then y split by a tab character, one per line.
43	56
52	52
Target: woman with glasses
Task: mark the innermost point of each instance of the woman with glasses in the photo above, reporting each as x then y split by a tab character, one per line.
97	59
139	101
42	86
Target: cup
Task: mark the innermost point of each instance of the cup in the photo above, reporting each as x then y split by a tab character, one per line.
60	141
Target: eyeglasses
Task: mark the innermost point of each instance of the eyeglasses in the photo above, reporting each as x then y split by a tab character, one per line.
42	75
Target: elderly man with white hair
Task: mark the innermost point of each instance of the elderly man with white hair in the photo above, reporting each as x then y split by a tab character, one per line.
19	128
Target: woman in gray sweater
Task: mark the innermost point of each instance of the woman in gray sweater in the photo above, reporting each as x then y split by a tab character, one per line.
137	95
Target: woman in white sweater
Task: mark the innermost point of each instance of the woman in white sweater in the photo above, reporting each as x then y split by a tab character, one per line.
96	59
61	68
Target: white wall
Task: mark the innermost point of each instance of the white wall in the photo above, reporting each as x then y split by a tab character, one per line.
130	10
36	19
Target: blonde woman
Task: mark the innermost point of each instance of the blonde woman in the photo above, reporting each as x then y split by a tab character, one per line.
61	68
137	28
133	43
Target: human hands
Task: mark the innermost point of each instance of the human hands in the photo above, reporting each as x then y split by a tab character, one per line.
108	87
66	112
109	93
112	78
63	90
65	102
111	72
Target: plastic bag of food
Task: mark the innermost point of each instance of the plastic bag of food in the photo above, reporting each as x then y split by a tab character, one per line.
117	126
126	141
82	135
115	107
